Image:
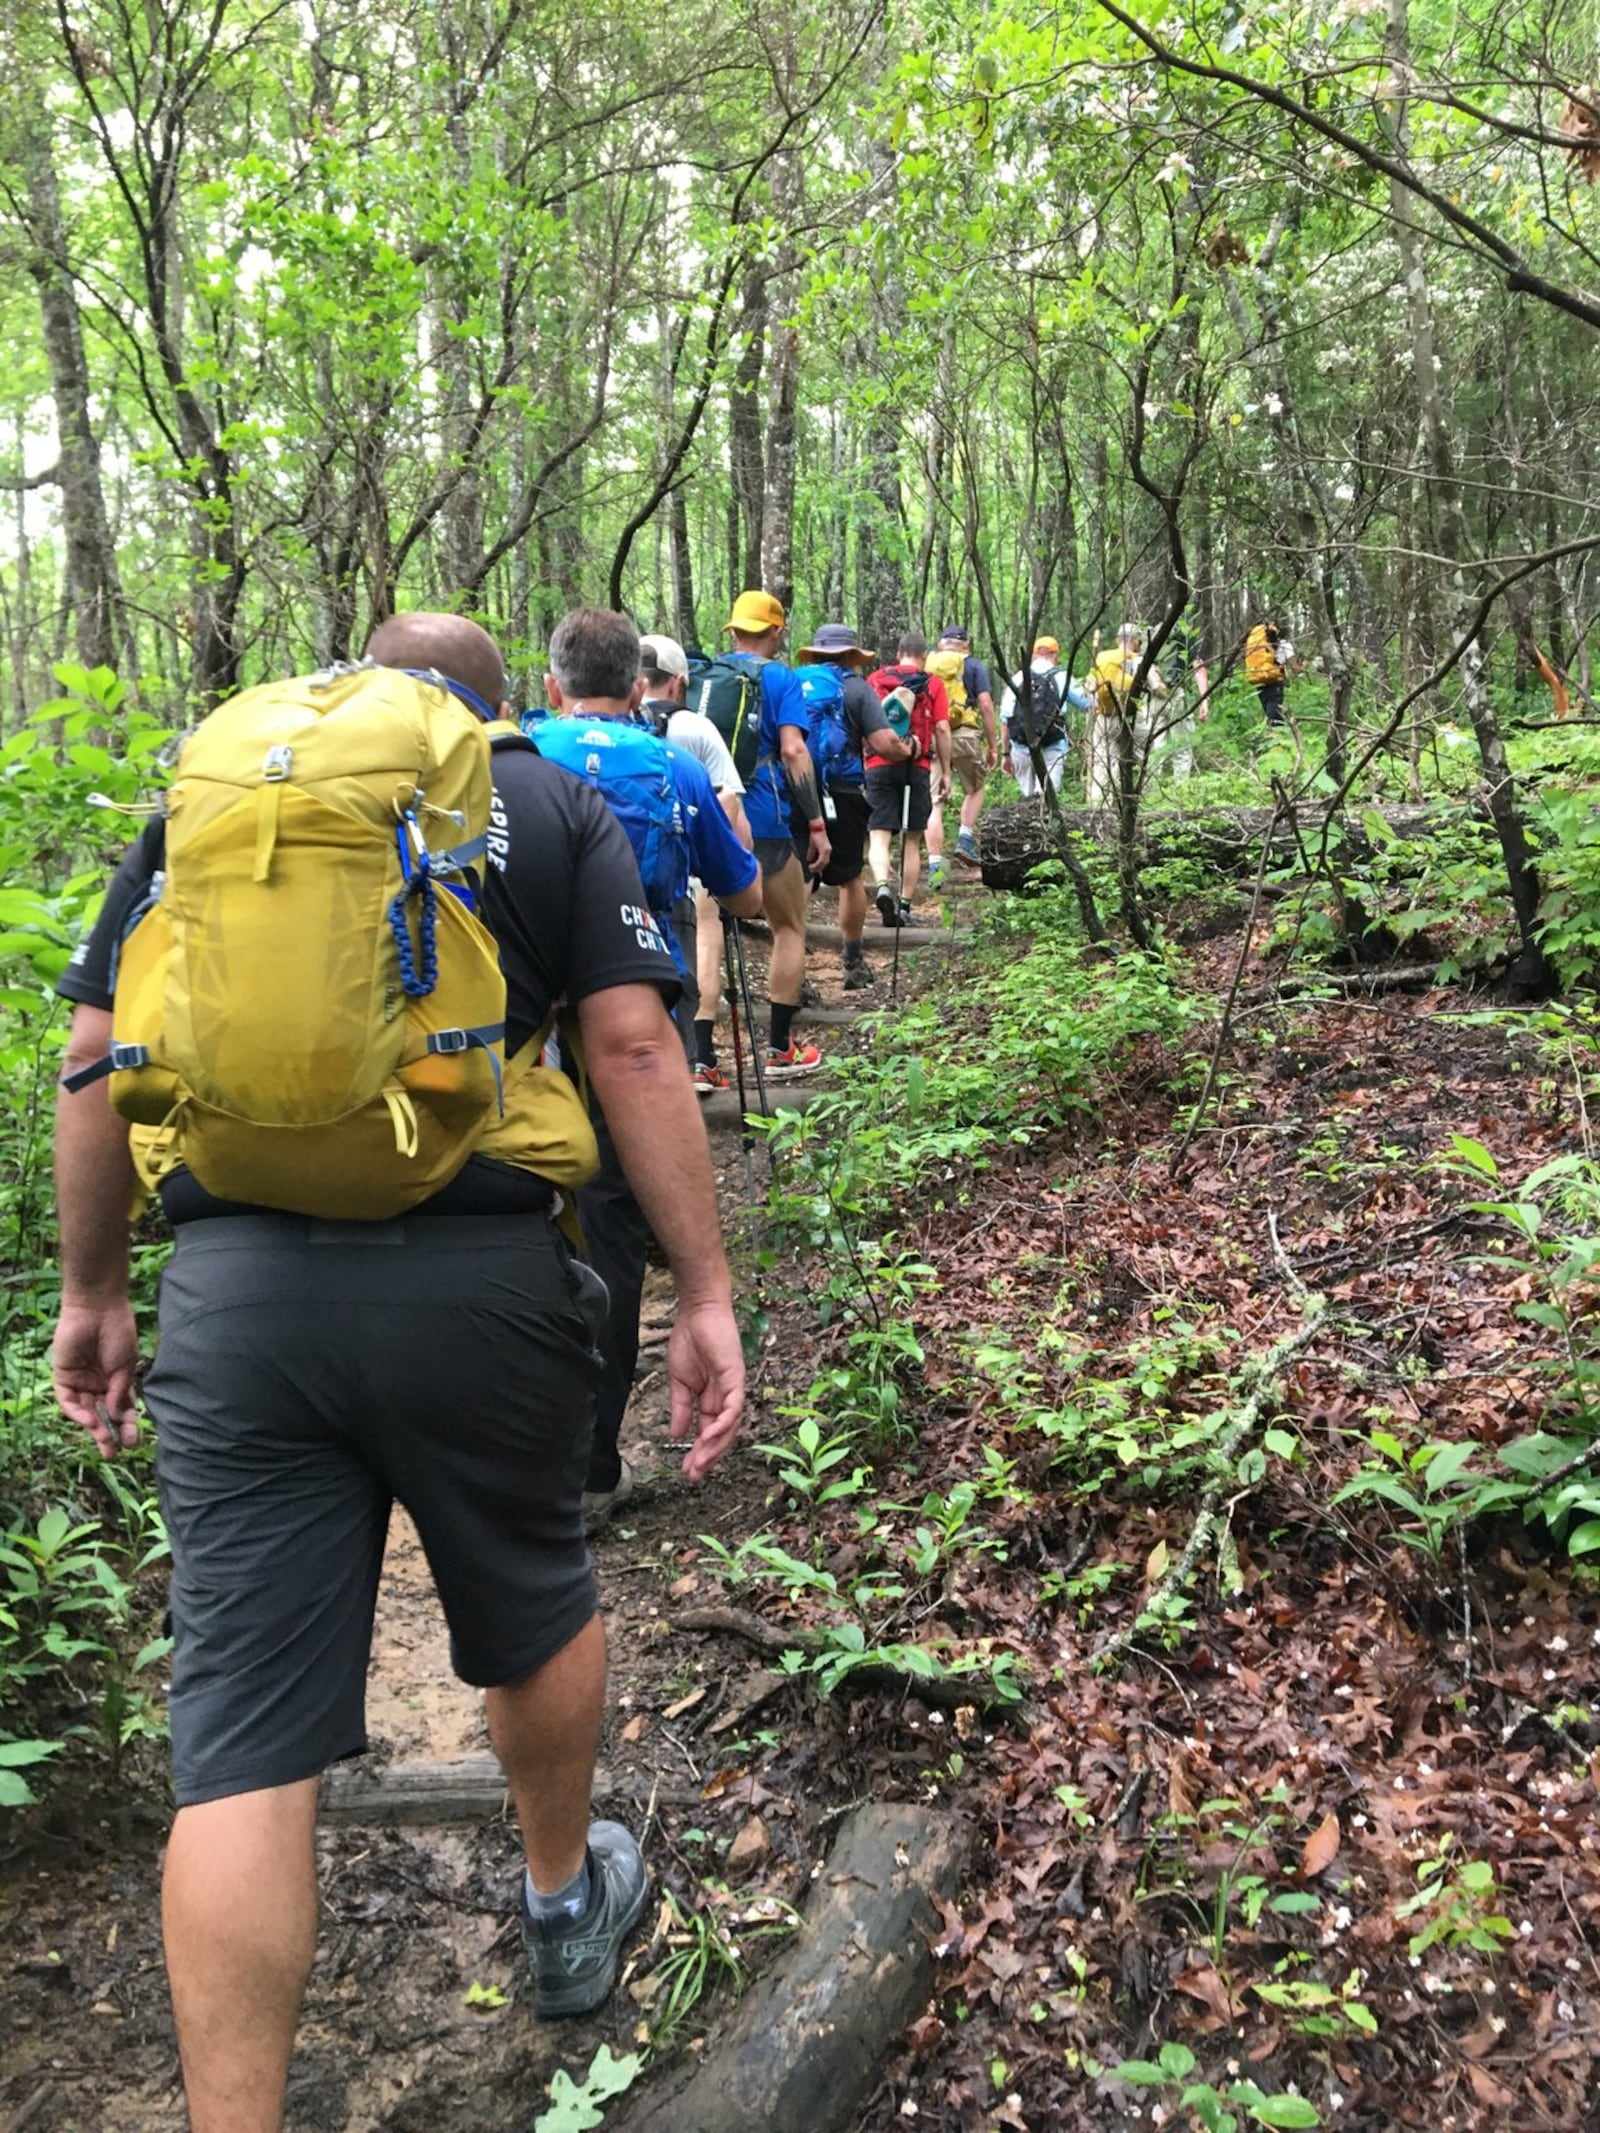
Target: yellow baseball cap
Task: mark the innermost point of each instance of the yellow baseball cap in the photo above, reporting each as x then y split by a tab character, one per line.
1045	644
755	613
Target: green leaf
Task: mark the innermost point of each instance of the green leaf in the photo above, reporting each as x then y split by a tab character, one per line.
1472	1155
1284	2111
1584	1539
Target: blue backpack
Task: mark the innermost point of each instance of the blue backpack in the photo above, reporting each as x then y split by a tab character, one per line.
632	772
833	746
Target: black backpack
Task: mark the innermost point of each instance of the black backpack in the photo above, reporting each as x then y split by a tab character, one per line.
727	690
1044	705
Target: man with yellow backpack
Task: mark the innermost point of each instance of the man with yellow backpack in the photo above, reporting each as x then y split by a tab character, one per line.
295	991
1267	653
974	742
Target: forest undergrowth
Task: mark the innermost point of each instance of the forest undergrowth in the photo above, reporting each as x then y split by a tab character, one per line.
1201	1508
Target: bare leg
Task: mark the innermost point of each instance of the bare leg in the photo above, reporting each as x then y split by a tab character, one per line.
852	909
910	864
708	953
935	833
971	808
239	1913
880	851
785	896
545	1729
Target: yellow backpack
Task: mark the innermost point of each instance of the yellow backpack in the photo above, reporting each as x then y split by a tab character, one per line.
308	1013
951	668
1261	662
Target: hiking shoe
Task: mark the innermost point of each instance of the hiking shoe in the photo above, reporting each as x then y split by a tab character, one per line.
937	871
906	918
709	1080
573	1961
598	1504
858	976
809	995
883	897
967	848
798	1059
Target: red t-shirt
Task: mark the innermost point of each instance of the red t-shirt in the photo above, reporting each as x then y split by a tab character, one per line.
931	708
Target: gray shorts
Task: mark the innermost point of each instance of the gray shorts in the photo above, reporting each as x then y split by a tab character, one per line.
309	1374
773	854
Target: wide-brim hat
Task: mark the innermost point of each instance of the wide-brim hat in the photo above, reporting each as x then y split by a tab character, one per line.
836	640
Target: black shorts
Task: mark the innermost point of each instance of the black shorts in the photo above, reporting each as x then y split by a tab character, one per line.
886	798
308	1374
847	833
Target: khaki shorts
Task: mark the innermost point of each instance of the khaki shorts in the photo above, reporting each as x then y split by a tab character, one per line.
966	757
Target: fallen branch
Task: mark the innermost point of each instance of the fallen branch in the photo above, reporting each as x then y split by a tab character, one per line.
946	1693
1264	1375
808	2045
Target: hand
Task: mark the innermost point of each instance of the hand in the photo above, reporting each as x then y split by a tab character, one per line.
821	851
991	757
96	1353
705	1367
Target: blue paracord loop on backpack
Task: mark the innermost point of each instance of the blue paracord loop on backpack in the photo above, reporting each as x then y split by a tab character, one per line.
418	870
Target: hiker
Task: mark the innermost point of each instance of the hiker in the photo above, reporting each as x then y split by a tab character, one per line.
1267	653
1043	715
849	727
697	923
665	801
974	741
757	706
311	1369
1115	671
901	795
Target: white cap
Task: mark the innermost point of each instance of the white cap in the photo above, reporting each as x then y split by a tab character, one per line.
665	654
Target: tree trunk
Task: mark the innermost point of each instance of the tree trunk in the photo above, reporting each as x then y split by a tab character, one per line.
1532	972
745	459
104	636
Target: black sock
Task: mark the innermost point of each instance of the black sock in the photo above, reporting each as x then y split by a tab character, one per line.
782	1026
705	1041
852	953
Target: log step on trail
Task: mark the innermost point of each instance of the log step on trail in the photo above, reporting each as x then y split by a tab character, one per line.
807	2045
366	1795
724	1108
882	937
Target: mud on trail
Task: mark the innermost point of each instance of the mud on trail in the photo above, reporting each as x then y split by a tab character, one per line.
1339	1710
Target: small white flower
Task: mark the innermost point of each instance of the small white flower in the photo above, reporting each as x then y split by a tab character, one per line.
1345	493
1273	404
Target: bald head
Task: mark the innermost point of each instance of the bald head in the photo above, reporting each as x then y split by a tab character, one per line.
449	644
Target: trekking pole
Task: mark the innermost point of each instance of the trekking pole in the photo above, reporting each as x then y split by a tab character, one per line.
750	1025
905	831
746	1138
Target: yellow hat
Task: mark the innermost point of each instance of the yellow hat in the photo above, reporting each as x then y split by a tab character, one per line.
755	613
1046	644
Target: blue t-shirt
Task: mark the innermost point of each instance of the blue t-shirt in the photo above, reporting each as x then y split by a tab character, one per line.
766	798
718	861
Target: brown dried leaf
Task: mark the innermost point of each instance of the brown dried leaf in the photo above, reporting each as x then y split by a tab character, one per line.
1322	1848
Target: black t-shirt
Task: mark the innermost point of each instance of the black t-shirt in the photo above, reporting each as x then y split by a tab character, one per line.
561	896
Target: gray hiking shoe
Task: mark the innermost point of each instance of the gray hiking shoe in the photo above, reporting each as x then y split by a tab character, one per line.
858	976
598	1504
573	1961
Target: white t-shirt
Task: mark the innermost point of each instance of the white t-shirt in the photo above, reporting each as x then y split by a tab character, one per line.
693	732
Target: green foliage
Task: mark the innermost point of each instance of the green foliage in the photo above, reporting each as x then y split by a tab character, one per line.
1456	1903
574	2106
1171	2070
1550	1477
705	1944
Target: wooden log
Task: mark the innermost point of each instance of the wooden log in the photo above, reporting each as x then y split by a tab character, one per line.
1016	838
423	1795
807	2046
822	935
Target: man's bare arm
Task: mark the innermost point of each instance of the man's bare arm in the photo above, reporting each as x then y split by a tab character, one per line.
805	791
635	1060
96	1347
